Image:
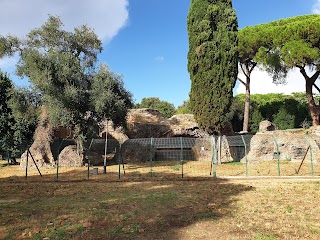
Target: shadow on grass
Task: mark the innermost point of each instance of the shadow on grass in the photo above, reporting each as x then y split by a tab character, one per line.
105	208
3	163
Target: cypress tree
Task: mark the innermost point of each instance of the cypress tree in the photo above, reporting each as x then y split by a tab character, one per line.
212	61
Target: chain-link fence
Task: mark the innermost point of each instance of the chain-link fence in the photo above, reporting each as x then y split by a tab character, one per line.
270	154
276	153
166	157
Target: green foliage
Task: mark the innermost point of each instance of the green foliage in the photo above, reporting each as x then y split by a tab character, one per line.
298	53
298	38
286	111
255	119
19	115
62	67
252	40
273	64
6	117
212	61
283	119
109	96
25	105
165	108
291	42
175	167
294	43
235	114
8	45
185	108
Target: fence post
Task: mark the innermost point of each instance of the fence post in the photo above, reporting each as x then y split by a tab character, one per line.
245	150
214	157
89	157
181	156
151	157
105	152
120	156
219	150
27	163
311	160
57	164
278	156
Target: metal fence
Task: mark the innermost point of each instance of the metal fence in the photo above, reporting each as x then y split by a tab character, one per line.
274	154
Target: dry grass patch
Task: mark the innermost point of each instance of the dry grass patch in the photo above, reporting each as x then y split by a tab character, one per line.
167	170
192	208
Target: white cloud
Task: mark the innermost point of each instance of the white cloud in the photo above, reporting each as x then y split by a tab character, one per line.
316	7
262	83
107	17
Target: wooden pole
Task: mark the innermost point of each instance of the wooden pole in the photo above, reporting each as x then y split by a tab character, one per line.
304	157
35	162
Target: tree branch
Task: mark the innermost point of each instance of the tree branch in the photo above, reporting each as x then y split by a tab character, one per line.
240	80
303	72
243	70
315	77
254	64
316	87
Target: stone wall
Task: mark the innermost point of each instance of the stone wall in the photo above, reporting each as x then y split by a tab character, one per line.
292	146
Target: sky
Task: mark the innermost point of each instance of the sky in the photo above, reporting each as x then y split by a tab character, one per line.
146	41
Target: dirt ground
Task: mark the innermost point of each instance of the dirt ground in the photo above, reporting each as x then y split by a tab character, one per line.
104	207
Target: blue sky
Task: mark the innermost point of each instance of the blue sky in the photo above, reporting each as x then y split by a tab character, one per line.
146	40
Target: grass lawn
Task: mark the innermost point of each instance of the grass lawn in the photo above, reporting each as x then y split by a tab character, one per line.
155	208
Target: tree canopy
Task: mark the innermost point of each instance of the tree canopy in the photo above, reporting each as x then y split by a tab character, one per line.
185	108
6	117
165	108
19	115
212	61
109	98
61	65
294	43
8	45
286	111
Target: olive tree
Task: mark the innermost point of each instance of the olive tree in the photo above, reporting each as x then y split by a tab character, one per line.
62	66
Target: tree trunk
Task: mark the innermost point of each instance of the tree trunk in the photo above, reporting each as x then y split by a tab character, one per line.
247	69
246	114
313	107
